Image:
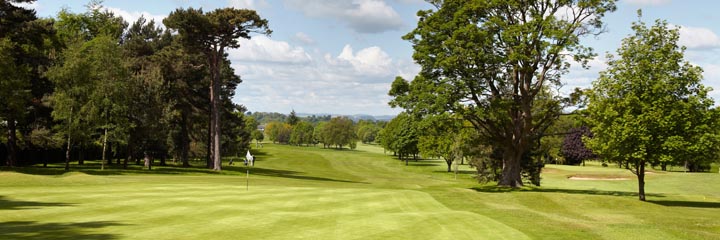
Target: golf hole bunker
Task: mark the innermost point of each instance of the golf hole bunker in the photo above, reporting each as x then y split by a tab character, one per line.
580	177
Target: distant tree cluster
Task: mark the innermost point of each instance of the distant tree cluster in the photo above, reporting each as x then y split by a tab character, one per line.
337	132
98	87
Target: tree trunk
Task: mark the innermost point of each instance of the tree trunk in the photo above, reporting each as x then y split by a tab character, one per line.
449	164
102	162
215	95
45	157
663	166
111	153
130	150
162	159
641	180
67	154
148	161
208	153
81	156
511	168
11	144
184	140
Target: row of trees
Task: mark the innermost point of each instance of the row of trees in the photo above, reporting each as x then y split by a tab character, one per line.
496	67
337	131
91	80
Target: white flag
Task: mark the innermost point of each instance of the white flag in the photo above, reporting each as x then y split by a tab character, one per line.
248	156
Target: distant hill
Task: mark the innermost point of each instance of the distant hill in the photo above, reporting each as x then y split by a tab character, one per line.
266	117
355	117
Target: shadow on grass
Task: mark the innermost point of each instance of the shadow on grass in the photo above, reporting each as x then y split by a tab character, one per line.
287	174
7	204
497	189
459	171
37	230
686	204
424	164
94	169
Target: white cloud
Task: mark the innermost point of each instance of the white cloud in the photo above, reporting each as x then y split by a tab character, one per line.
372	61
346	83
648	2
363	16
247	4
131	17
35	5
411	1
263	49
698	38
303	38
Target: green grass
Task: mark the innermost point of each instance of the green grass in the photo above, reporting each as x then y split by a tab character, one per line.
315	193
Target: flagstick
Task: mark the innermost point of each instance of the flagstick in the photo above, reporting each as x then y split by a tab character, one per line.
247	180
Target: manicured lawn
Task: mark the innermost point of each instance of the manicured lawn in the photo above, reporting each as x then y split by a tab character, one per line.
315	193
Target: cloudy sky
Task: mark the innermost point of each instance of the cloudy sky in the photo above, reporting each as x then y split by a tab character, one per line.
340	56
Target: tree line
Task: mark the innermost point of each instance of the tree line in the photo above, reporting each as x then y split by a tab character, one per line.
92	82
331	132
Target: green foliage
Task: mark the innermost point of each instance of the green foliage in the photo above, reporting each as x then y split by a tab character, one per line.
367	131
400	136
493	62
279	132
302	133
443	136
293	118
339	131
649	106
257	135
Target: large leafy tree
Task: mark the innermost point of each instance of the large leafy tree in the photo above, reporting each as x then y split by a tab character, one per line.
490	61
649	106
212	33
23	52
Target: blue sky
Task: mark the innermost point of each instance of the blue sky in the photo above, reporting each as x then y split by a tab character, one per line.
340	56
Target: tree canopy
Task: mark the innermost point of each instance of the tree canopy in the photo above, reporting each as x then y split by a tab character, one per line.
495	63
649	106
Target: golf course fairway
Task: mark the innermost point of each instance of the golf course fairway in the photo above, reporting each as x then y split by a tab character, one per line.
315	193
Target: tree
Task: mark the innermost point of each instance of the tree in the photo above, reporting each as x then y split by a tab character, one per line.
14	93
213	32
367	131
257	135
442	136
400	136
23	53
293	118
490	61
319	135
302	133
338	131
649	107
72	78
573	148
90	77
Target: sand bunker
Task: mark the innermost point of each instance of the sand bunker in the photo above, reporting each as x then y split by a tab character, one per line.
598	178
